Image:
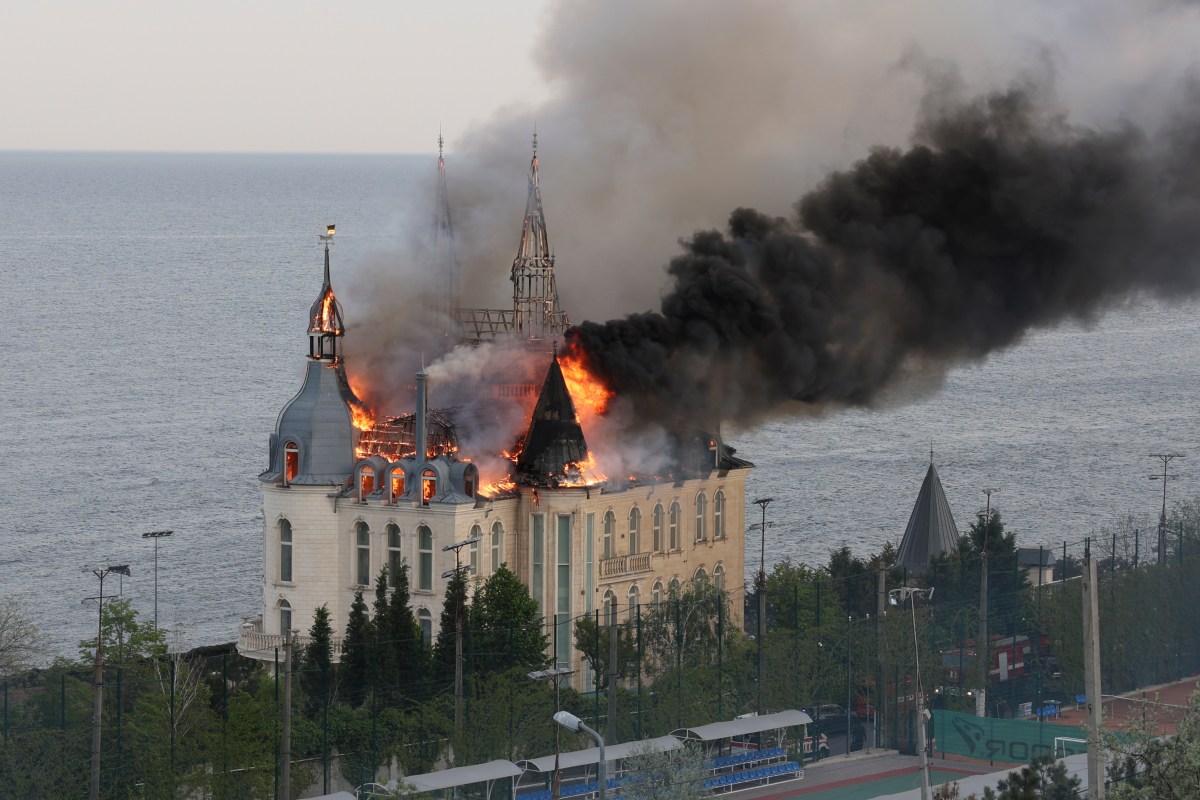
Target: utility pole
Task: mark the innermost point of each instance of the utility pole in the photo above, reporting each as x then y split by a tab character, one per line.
1165	458
613	673
285	772
98	677
458	626
880	645
981	647
1091	679
896	597
761	590
555	674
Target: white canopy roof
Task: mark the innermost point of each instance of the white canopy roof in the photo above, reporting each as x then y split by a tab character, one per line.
580	758
744	725
461	776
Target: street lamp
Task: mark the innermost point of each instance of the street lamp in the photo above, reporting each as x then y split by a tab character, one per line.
458	632
896	597
761	588
555	674
156	535
573	723
98	680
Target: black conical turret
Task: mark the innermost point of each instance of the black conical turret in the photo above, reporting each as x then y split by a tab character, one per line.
555	442
931	528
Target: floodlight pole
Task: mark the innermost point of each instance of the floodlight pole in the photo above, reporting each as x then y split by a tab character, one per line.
761	587
98	678
910	594
981	647
555	675
458	629
156	535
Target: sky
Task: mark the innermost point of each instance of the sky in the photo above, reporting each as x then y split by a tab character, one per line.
371	76
382	75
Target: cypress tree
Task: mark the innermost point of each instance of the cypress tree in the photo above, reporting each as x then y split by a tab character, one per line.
444	647
406	646
356	656
317	660
507	625
382	630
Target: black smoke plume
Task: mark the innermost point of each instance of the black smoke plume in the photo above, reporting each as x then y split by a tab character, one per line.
1000	217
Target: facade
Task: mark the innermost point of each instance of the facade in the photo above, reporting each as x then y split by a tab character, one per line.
343	497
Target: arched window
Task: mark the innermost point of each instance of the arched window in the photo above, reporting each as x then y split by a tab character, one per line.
425	621
719	514
291	461
397	484
656	522
362	572
610	607
719	577
476	533
428	486
700	574
701	516
285	550
366	483
610	526
634	599
395	554
673	527
425	559
635	520
673	588
656	595
497	545
285	617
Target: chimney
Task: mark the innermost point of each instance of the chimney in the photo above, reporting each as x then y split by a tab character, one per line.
422	412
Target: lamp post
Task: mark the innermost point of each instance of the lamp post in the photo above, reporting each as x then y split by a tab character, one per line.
573	723
981	647
458	627
98	679
156	535
896	597
761	591
555	674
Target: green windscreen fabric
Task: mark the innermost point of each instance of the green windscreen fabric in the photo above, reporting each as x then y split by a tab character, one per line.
1012	740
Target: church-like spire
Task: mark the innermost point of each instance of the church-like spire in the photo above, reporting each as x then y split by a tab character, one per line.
554	444
447	270
931	528
325	325
536	313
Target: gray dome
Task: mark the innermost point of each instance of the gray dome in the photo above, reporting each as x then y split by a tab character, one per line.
317	420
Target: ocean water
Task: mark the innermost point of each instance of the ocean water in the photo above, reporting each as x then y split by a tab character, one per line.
155	325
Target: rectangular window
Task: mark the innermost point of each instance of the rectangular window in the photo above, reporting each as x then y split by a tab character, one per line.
563	655
539	562
364	556
589	557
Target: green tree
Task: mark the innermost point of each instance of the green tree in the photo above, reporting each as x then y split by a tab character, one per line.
671	775
356	655
455	604
404	637
316	661
1148	766
506	626
1043	779
20	641
126	640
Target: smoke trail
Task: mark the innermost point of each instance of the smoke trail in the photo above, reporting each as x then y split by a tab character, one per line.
1000	217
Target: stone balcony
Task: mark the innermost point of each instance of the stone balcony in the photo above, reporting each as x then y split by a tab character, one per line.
253	643
624	565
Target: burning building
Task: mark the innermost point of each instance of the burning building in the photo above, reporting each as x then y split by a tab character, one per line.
347	492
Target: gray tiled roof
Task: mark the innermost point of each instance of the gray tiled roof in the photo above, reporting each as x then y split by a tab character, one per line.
931	528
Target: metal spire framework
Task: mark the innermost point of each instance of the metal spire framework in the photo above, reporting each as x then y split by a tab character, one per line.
536	314
448	270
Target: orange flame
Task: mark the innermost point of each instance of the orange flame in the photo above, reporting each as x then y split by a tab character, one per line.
590	395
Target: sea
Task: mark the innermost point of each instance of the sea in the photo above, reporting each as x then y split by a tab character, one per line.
154	313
